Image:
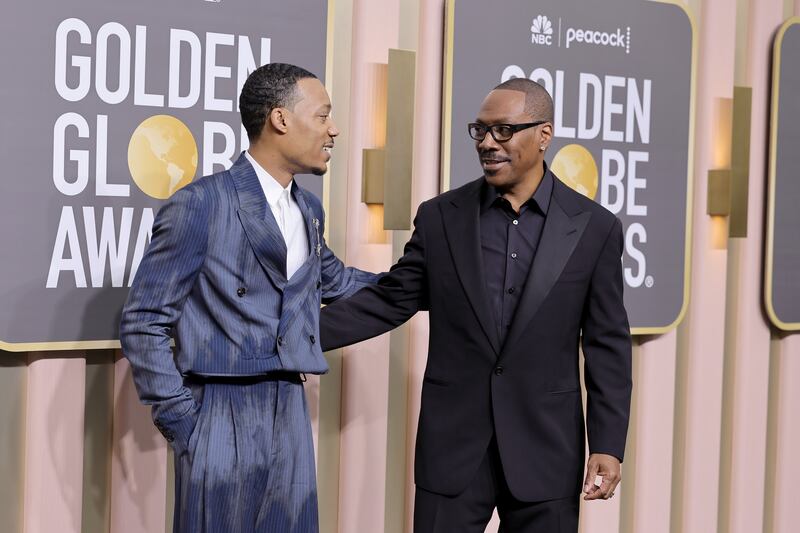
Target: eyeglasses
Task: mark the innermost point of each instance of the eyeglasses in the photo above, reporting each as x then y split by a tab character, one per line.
500	132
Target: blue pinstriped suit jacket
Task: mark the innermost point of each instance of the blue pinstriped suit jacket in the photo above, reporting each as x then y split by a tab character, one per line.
214	278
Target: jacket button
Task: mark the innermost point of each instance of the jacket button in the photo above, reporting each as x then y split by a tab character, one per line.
280	341
498	370
313	339
319	284
241	291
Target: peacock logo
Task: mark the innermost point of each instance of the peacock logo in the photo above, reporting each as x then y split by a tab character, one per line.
542	31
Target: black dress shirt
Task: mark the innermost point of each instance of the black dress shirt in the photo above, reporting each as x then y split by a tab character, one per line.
508	245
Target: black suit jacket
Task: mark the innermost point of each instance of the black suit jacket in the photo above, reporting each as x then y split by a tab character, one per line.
527	390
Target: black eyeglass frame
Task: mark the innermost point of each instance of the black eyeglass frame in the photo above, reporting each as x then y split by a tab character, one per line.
493	129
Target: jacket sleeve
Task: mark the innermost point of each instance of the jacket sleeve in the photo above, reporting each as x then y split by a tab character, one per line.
378	308
607	351
339	281
163	281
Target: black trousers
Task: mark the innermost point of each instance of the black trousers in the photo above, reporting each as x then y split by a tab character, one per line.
471	510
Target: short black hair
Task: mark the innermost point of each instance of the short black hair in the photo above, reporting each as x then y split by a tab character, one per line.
269	86
538	103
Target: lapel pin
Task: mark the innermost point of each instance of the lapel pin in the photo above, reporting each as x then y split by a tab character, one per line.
315	221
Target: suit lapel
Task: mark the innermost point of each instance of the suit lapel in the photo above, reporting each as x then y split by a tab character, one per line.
258	223
563	228
312	223
461	225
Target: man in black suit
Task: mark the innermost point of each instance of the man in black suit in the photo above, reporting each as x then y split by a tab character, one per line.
518	271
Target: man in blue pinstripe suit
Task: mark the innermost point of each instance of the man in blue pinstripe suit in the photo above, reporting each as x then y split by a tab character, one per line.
235	272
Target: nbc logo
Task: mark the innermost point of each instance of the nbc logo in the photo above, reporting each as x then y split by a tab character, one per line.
542	31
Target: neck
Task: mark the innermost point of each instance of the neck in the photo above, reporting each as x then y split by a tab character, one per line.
272	162
521	192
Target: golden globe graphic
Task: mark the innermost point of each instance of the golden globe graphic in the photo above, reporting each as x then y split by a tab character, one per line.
162	156
575	166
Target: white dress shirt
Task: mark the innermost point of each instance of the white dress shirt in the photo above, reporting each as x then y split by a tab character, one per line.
288	216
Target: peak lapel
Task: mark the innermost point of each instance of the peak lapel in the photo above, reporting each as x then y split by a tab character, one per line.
258	223
461	224
312	223
560	235
312	227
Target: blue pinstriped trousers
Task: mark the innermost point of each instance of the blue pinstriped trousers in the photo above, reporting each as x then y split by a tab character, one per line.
250	465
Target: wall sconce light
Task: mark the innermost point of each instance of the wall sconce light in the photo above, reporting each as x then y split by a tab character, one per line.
728	186
386	172
373	164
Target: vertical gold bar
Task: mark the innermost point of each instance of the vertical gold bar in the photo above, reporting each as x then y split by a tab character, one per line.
772	429
340	44
732	306
13	380
397	416
373	166
399	139
330	419
740	160
97	444
169	516
719	192
742	41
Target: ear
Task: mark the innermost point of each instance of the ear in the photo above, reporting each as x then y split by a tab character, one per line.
279	119
546	135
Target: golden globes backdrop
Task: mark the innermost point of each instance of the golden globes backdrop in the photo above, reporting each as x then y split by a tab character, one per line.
108	108
782	272
622	124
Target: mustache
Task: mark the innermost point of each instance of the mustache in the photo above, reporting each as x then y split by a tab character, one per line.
489	155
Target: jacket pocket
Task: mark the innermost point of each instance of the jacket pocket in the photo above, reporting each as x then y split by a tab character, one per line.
574	276
436	381
565	391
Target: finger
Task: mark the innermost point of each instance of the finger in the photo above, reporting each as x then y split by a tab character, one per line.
593	494
608	485
591	473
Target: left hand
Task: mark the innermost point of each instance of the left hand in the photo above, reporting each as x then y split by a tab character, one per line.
607	467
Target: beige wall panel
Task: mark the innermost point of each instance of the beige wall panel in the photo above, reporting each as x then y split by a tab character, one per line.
138	463
54	443
695	479
749	337
365	367
425	185
13	380
340	13
653	426
606	516
782	457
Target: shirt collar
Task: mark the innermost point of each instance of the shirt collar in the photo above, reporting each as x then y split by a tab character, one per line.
540	198
272	189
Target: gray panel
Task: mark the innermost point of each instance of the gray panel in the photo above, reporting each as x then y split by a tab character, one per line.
30	203
656	45
786	240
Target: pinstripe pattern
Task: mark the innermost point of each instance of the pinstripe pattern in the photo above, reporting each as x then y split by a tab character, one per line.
251	464
214	277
